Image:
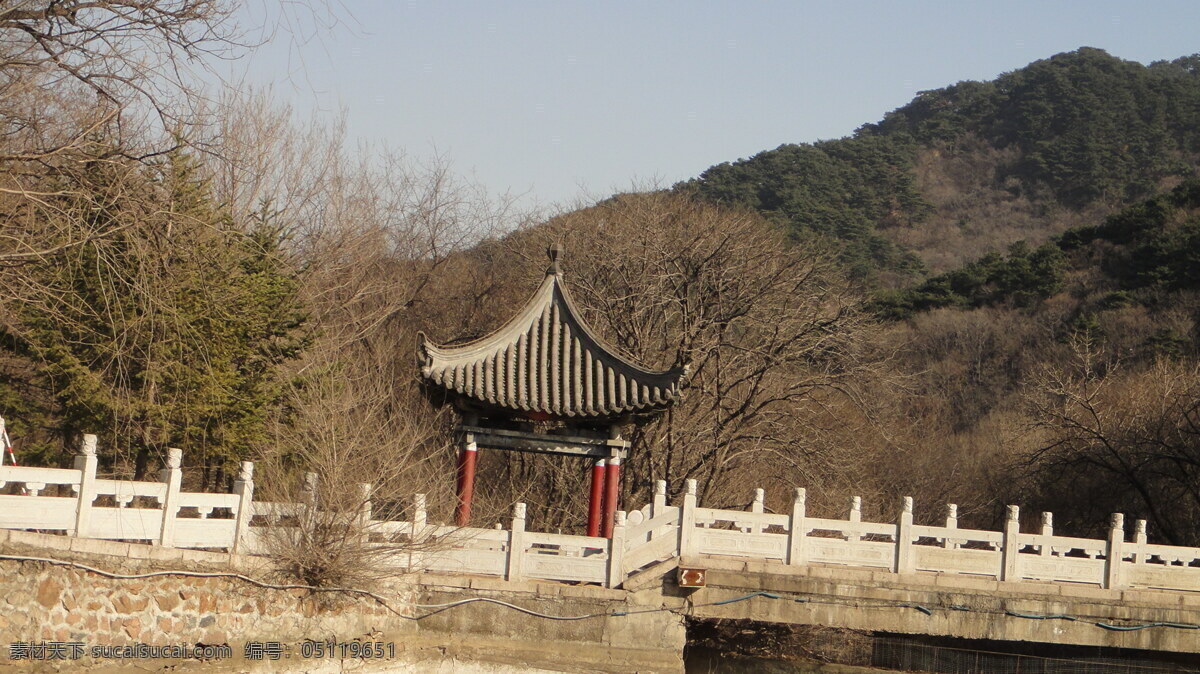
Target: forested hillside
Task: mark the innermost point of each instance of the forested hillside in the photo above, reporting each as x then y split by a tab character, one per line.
1031	242
973	167
1073	365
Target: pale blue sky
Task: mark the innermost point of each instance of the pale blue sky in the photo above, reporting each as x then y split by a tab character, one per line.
557	98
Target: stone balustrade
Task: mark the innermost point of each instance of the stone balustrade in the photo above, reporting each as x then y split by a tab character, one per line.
153	512
160	513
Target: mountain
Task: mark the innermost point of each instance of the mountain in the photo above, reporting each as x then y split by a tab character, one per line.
977	166
1146	255
1033	245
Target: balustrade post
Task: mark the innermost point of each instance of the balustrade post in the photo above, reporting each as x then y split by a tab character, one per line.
951	523
758	506
85	463
1113	552
516	544
616	551
1139	541
659	504
419	517
418	531
172	475
1047	532
244	488
797	531
855	516
904	560
364	511
310	499
687	522
1008	555
308	496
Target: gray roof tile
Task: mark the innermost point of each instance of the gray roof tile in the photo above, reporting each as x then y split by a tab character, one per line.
547	360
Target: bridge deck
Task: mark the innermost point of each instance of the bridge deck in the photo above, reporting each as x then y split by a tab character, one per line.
948	605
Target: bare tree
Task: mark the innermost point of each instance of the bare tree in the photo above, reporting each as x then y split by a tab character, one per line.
128	57
769	330
1109	440
85	82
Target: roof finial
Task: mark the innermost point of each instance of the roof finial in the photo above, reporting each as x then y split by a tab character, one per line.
554	251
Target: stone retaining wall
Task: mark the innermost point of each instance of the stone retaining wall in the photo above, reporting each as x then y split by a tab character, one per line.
45	603
42	603
59	604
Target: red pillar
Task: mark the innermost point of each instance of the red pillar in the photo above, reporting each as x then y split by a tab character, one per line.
596	503
466	484
612	484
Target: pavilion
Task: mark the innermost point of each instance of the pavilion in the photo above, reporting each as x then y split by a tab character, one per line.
545	382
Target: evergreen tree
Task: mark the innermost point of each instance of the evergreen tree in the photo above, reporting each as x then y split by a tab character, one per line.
170	332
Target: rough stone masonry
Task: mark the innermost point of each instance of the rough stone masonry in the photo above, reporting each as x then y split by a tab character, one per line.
43	603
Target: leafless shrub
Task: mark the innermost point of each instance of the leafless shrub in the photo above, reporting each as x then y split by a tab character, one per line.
369	455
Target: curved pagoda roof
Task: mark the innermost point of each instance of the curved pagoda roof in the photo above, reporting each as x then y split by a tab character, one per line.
547	360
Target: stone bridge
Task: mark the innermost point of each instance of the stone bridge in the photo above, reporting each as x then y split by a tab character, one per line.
893	577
